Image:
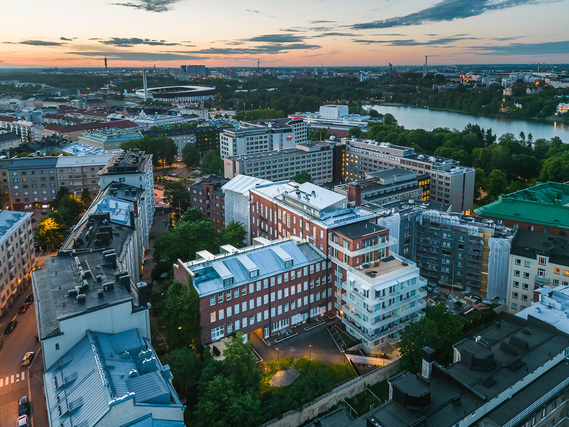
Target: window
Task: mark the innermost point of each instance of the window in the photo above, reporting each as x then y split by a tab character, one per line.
254	273
244	306
236	293
541	260
518	261
228	295
236	307
514	306
228	281
527	264
515	295
516	284
212	300
217	333
220	297
229	311
212	317
221	314
526	275
556	270
244	290
251	288
524	297
279	294
517	273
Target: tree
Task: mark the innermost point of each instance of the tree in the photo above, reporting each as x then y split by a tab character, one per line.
240	365
194	215
555	169
233	234
50	232
181	315
212	163
176	194
302	177
191	155
86	197
439	329
319	135
162	148
355	131
186	367
496	183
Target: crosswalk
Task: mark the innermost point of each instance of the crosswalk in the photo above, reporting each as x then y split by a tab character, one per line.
11	379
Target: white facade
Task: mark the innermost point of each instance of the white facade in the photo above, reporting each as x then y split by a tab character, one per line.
16	255
333	111
376	309
251	139
237	202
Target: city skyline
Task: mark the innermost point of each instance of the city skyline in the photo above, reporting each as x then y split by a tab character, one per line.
173	32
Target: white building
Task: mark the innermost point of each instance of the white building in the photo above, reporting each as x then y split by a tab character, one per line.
552	307
537	260
77	173
17	257
333	111
261	136
80	291
317	159
132	168
237	201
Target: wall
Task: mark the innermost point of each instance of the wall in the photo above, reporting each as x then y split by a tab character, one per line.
327	401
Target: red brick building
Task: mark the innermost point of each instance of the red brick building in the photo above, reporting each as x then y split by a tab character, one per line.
207	196
264	288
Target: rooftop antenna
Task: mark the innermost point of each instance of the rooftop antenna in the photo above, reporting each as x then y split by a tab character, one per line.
106	69
425	69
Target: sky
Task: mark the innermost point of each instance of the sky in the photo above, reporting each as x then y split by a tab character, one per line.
169	33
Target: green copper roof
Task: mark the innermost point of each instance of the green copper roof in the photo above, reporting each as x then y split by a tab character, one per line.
544	204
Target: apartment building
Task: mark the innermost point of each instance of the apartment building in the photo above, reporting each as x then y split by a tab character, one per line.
263	288
449	182
17	258
250	138
543	208
376	293
456	251
73	132
78	173
33	182
386	186
537	261
133	168
207	196
317	159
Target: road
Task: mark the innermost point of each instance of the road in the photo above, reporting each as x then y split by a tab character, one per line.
15	379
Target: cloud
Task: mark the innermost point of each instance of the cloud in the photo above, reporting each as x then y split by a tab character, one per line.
150	5
140	56
413	42
65	39
334	34
545	48
276	38
445	10
267	49
40	43
252	11
322	22
129	42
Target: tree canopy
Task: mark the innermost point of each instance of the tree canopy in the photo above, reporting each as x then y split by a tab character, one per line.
302	177
162	148
191	156
181	315
176	194
212	163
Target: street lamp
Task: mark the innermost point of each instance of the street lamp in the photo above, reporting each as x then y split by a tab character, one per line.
309	351
278	360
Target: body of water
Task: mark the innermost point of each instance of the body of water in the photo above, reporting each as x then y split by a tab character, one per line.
424	118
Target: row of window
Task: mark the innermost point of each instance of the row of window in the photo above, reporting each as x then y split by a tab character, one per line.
237	309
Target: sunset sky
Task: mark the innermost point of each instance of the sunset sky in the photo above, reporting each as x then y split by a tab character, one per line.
78	33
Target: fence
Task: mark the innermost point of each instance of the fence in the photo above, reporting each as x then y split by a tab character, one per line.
326	401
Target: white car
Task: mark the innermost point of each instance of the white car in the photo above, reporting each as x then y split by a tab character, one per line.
23	421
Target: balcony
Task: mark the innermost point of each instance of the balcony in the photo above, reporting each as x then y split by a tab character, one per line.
541	278
380	245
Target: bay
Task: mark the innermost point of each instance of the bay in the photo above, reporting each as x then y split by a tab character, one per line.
424	118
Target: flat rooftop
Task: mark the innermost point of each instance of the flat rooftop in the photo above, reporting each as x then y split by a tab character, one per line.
360	230
72	273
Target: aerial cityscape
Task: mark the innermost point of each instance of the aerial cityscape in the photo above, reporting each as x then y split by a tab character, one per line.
242	215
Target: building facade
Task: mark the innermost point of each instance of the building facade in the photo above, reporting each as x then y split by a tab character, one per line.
252	138
17	258
260	289
33	182
316	159
207	196
133	168
78	173
449	182
206	138
537	261
108	139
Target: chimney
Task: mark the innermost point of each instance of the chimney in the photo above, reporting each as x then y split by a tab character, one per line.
427	362
355	193
142	294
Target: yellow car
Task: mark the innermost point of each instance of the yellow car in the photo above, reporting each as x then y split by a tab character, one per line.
28	357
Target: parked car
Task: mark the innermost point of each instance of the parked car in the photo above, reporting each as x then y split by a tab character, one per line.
23	405
23	421
30	298
11	326
44	213
24	308
28	357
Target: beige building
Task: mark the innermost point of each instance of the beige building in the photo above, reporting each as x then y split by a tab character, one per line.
536	260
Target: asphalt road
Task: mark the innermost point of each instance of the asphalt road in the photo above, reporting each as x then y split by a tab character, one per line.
16	380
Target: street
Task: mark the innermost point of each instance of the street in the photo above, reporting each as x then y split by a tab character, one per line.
16	380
